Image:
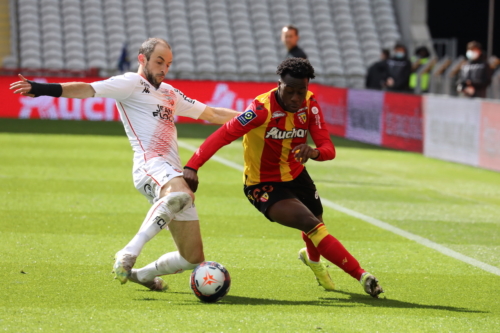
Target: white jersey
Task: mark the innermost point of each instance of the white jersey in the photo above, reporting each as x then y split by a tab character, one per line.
148	114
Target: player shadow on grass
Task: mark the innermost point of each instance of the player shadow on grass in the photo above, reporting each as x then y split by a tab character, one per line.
353	300
390	303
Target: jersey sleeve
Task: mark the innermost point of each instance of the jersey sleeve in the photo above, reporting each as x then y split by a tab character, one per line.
117	87
319	133
188	107
252	118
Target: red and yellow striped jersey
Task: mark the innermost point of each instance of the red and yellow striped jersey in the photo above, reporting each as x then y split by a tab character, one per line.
270	134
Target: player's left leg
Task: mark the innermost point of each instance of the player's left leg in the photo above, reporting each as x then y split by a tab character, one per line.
187	237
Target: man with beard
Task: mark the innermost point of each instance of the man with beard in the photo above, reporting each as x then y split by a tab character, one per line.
147	107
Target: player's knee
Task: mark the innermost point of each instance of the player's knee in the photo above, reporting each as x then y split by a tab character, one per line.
177	202
307	222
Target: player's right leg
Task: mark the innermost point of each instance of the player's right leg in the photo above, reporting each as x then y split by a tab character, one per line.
175	196
185	230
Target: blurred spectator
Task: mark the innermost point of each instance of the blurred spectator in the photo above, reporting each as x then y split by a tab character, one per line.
475	74
378	72
399	70
290	37
419	60
124	61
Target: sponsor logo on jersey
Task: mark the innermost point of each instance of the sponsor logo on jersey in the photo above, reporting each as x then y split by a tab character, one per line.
277	114
246	117
302	117
145	90
276	133
164	113
314	110
187	99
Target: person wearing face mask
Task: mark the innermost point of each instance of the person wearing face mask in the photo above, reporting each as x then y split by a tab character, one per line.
475	74
399	70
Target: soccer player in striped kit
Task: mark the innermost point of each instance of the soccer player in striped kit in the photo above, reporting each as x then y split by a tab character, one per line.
274	130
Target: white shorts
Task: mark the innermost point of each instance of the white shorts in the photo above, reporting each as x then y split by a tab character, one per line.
150	178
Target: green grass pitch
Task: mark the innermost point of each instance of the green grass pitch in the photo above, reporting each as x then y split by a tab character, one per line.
67	204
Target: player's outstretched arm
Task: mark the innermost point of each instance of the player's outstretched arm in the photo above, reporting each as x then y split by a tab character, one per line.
70	90
218	115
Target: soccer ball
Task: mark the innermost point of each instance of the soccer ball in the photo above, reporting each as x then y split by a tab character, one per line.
210	281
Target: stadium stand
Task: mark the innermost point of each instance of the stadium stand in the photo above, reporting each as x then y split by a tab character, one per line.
211	39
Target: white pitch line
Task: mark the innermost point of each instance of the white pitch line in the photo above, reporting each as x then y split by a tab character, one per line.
378	223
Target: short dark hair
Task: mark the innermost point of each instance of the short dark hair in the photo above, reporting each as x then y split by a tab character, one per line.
149	45
400	46
423	51
292	27
386	53
474	45
298	68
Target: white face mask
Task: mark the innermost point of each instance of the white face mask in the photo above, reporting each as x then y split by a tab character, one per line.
472	55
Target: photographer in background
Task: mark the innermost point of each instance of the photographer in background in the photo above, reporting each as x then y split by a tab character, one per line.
475	74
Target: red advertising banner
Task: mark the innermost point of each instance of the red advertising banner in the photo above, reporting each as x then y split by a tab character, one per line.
333	102
356	114
402	122
233	95
489	136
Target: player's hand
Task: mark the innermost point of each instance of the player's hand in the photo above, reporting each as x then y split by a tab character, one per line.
469	90
191	178
304	152
22	87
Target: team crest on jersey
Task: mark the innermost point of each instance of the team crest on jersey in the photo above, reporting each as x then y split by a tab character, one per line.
277	114
264	197
246	117
169	97
302	117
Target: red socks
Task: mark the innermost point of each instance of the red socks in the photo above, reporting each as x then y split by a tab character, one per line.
312	252
331	249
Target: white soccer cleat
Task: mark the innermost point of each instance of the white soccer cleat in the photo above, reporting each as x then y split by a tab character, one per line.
157	284
370	285
123	266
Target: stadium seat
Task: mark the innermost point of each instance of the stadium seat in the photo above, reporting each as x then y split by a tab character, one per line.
219	38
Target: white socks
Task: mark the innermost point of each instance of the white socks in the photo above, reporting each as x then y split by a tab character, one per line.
170	263
158	217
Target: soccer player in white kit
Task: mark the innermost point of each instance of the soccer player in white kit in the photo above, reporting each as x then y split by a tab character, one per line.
147	108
